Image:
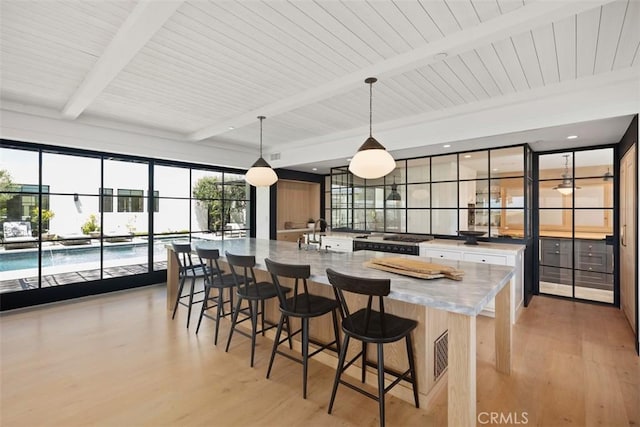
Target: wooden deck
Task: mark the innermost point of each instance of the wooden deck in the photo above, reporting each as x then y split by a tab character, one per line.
60	279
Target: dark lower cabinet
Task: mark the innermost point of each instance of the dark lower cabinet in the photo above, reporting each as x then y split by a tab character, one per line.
589	262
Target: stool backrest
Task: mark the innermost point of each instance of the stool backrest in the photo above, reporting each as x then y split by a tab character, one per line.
241	267
363	286
299	272
182	252
209	260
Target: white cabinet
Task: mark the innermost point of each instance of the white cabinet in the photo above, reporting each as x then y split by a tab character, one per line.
337	243
441	253
484	258
489	253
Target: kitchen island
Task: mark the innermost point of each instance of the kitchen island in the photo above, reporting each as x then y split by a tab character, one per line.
438	305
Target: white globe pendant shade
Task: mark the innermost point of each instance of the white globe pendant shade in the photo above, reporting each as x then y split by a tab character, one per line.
372	163
261	175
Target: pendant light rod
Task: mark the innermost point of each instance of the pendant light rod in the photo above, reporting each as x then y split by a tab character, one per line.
370	81
261	118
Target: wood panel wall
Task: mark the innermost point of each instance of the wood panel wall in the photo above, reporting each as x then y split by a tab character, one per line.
297	202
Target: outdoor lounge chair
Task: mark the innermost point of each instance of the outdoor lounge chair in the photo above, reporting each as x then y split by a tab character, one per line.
117	236
74	239
17	235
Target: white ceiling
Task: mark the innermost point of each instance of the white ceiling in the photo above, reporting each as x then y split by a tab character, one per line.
201	71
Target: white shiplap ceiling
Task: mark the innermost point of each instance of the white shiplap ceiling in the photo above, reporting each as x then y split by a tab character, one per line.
203	70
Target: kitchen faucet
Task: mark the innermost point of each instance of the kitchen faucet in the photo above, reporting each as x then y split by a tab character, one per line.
313	238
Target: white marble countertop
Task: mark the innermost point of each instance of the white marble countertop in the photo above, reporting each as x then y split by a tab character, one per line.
484	247
469	296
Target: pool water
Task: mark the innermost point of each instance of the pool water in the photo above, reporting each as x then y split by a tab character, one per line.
61	255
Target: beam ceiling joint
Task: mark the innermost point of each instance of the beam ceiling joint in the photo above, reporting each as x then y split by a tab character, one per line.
143	22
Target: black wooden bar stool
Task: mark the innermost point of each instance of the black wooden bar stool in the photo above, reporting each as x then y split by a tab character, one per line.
304	306
214	279
370	326
186	270
248	288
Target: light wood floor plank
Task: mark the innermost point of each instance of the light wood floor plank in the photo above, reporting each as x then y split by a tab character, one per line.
119	360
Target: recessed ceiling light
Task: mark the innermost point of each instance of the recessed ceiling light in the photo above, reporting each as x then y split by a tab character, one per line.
447	145
231	128
495	169
572	136
349	159
314	169
467	156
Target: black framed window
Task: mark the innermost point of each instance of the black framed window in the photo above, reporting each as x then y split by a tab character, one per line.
481	190
130	200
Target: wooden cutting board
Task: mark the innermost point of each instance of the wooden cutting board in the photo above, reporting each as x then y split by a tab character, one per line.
403	272
415	268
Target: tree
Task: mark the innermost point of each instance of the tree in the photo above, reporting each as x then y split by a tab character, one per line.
6	184
222	207
35	220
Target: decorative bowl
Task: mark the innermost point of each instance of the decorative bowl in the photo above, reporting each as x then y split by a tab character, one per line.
471	236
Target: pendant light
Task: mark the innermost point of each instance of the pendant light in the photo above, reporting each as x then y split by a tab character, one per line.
608	176
566	186
261	174
372	160
394	196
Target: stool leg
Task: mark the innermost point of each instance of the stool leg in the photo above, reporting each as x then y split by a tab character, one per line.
381	383
343	353
276	343
261	315
364	361
336	329
234	319
193	285
219	310
305	354
253	307
412	368
175	307
289	333
231	301
204	307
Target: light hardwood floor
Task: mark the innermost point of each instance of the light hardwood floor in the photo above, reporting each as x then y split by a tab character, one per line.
119	360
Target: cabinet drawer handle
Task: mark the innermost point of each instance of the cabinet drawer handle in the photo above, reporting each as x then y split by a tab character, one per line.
589	254
590	246
590	268
557	244
557	252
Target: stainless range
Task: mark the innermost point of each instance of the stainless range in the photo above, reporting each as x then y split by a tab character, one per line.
394	243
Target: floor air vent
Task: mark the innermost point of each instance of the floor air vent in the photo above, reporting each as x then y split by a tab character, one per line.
440	354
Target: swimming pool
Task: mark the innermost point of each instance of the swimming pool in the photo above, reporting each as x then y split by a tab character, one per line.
62	255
